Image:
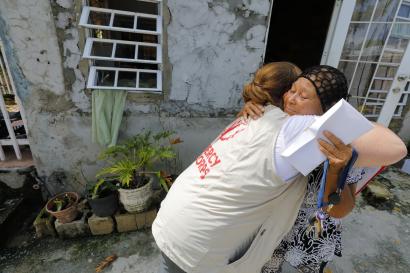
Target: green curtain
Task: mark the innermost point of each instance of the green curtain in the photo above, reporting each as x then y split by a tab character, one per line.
107	111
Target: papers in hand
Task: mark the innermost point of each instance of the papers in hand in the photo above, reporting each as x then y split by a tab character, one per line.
343	120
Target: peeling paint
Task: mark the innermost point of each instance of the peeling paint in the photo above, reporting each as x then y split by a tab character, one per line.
29	29
255	37
64	19
67	4
217	51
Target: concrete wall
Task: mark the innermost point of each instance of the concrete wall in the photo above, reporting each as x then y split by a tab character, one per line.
211	48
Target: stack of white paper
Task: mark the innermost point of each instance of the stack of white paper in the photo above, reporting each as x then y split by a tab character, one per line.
343	120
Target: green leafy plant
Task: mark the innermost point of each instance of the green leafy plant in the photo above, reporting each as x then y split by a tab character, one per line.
62	203
132	161
101	188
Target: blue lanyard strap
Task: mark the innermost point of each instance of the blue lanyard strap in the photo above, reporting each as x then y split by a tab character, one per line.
341	179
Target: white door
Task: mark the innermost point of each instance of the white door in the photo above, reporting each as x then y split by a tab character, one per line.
369	44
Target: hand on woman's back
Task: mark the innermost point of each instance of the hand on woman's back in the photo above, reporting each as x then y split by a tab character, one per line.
251	109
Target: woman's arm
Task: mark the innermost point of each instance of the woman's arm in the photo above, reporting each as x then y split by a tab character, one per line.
337	163
379	147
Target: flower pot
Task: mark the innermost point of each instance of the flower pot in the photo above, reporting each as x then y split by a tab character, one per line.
67	214
137	200
105	206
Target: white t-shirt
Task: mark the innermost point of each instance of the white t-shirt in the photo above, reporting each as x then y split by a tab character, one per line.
290	129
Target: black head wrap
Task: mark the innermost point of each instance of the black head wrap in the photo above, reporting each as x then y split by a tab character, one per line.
329	82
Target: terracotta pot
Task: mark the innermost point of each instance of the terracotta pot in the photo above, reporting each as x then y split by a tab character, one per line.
68	214
137	200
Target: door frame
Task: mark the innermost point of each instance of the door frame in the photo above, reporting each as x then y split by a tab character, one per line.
336	36
335	41
397	89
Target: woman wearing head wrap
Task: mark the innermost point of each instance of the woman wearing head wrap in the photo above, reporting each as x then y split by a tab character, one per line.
316	90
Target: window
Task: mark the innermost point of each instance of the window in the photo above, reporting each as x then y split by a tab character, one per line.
404	10
124	44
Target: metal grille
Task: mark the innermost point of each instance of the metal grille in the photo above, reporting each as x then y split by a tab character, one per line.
124	47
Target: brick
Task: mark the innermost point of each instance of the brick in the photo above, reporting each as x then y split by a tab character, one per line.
101	225
140	219
150	217
126	222
73	229
134	221
44	227
145	219
44	224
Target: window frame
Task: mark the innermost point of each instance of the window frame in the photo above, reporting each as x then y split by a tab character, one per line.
87	54
90	41
93	74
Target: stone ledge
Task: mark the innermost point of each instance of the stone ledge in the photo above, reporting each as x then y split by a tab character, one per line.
44	224
101	225
76	228
135	221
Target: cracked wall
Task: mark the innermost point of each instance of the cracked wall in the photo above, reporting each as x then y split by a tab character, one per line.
211	50
213	47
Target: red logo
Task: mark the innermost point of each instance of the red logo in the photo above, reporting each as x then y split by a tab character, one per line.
236	127
209	158
206	161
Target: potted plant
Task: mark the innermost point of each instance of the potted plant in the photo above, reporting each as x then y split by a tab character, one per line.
64	206
132	164
103	198
172	166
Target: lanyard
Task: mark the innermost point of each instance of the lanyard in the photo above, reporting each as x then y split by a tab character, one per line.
334	198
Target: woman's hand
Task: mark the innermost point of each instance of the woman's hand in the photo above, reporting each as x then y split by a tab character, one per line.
251	109
337	152
339	155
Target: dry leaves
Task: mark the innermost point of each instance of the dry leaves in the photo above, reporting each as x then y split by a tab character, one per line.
175	141
167	177
104	263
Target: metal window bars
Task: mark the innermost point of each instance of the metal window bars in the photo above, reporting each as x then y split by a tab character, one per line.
113	47
123	64
124	79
